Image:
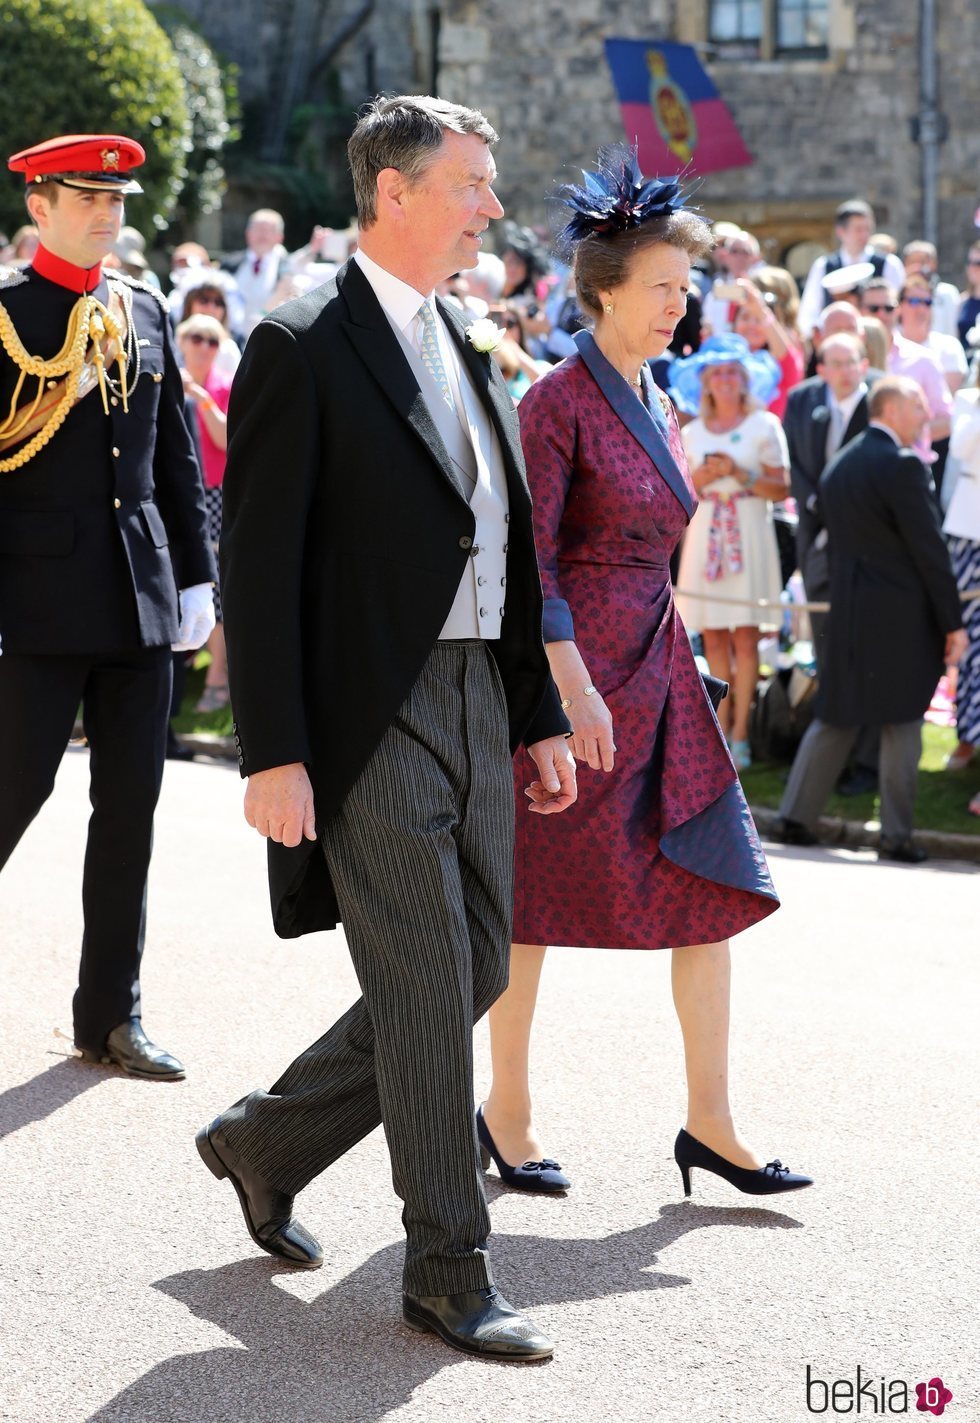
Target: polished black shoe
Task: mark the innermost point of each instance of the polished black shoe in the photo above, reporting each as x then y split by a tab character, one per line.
545	1177
268	1212
791	832
768	1180
858	782
478	1322
128	1047
903	852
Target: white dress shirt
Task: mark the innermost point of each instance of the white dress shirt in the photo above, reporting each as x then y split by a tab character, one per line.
256	287
400	303
841	412
478	608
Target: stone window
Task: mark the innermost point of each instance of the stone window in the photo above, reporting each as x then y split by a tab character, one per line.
735	26
769	29
802	27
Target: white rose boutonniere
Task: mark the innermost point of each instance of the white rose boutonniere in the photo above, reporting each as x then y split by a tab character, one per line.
485	335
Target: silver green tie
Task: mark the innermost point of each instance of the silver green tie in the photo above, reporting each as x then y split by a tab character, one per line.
431	355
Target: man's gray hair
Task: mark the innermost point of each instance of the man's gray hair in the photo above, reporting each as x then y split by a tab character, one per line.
403	132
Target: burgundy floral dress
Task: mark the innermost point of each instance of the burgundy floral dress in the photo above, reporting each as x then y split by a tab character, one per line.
662	851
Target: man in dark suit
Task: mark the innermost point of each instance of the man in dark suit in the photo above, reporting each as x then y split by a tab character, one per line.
822	415
102	521
895	619
383	619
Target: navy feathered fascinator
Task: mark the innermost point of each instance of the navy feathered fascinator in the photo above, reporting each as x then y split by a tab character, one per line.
616	197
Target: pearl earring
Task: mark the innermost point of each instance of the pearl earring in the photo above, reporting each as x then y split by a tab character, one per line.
608	308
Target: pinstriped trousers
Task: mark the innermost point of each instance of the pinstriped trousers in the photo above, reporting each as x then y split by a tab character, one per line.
421	857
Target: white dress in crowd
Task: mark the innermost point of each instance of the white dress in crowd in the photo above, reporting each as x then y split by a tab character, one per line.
731	526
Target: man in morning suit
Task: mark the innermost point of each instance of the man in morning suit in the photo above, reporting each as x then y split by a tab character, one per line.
822	414
383	618
104	558
895	619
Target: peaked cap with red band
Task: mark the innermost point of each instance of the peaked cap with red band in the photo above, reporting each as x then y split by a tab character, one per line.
98	161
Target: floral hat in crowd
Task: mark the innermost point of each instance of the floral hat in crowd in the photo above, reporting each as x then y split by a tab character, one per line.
686	372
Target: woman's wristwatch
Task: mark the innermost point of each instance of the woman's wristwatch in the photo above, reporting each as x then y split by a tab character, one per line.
588	691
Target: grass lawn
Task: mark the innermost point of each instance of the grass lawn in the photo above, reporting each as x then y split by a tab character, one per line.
942	800
189	722
941	805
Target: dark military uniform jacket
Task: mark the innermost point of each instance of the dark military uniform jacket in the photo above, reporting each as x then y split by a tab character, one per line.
103	525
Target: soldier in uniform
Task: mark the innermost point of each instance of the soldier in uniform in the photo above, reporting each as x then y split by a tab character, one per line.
104	558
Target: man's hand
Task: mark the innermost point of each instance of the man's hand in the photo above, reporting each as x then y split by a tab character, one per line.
279	804
556	790
956	645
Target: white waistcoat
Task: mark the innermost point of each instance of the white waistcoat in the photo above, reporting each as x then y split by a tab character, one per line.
478	464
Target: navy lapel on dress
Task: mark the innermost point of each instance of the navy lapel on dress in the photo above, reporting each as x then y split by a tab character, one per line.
647	426
369	331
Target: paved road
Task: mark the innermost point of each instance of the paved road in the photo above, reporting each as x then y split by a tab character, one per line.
129	1292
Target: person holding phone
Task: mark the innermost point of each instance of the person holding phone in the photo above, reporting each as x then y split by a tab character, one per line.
739	465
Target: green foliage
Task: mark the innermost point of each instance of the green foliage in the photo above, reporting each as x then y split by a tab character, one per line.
212	99
93	66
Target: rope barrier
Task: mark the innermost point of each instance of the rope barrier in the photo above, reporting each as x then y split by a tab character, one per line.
969	596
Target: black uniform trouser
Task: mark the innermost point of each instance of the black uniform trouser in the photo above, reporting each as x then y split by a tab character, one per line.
126	698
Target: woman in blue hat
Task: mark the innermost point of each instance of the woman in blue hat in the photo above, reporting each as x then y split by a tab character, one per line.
739	464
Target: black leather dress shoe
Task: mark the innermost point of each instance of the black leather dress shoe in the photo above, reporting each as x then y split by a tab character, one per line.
268	1212
478	1322
791	832
903	852
128	1047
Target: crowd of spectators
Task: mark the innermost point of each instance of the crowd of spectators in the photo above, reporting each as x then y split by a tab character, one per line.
898	316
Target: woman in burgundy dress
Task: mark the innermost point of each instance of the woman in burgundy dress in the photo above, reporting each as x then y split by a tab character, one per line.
661	852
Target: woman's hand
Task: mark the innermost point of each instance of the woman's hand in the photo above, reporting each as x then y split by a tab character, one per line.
592	731
722	466
592	739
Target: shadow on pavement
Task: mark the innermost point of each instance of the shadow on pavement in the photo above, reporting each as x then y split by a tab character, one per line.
37	1098
346	1357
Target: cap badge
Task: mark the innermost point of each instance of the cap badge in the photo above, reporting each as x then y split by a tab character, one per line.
110	160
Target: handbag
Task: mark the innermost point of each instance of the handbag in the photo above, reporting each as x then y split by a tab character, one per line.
716	689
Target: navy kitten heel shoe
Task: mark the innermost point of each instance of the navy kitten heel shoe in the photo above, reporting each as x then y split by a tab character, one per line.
545	1176
768	1180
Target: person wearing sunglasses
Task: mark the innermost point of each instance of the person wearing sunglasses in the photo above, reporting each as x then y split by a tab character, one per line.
880	299
922	260
206	392
915	309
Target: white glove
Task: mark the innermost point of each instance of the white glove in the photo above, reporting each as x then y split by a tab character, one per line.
196	618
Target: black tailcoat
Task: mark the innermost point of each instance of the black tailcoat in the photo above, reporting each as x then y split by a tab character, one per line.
806	422
103	525
344	539
893	597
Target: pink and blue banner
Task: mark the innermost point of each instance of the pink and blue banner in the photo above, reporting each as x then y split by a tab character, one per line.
672	109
